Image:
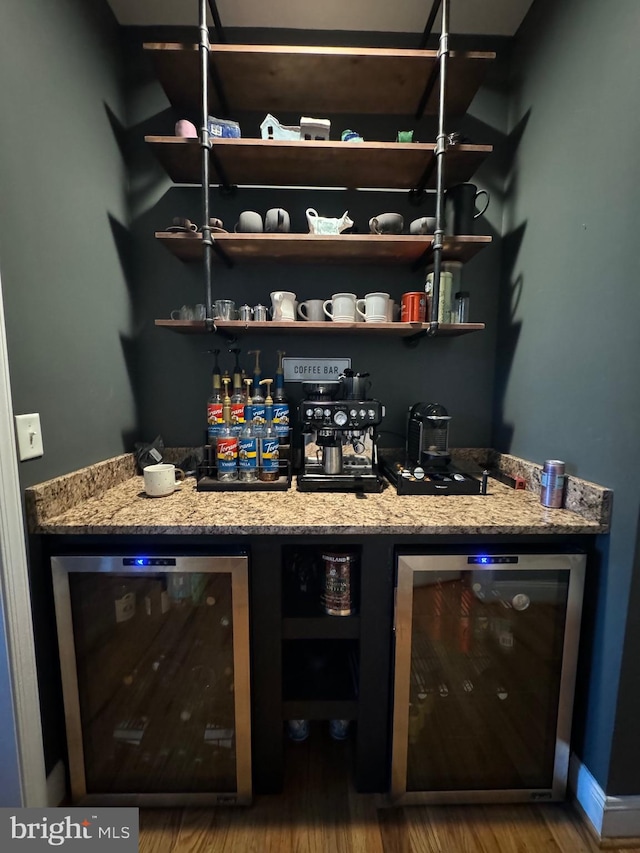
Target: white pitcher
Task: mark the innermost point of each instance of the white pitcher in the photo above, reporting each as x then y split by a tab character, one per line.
283	306
327	225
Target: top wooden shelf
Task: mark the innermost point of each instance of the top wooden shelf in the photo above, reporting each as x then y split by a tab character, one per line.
317	80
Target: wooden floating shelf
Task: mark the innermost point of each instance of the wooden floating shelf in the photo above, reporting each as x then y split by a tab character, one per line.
310	248
351	165
317	80
302	327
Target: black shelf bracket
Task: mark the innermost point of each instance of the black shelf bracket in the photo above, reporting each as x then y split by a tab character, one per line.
422	260
412	341
435	8
428	89
217	23
225	184
216	80
435	71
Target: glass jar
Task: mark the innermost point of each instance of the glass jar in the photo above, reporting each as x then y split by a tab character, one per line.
461	307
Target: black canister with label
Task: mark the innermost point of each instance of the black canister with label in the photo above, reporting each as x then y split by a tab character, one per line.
337	583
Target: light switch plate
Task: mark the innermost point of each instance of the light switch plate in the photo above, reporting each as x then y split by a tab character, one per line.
29	435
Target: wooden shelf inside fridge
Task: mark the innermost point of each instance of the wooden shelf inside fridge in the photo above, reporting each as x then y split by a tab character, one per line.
311	248
240	327
349	165
314	80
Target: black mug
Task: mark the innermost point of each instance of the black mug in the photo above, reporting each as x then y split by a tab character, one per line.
460	208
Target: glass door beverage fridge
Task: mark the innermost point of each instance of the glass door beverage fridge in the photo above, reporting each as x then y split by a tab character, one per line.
485	658
154	656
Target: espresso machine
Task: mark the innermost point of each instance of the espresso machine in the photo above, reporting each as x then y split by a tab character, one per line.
339	441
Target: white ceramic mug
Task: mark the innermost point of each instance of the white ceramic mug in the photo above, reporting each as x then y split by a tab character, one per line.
387	223
374	307
160	479
283	306
249	222
423	225
341	308
311	310
276	220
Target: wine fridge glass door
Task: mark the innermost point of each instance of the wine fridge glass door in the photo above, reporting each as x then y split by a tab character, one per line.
155	680
484	669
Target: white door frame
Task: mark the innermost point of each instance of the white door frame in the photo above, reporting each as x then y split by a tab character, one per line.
14	583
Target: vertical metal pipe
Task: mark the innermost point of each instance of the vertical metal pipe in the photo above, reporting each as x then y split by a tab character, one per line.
441	144
205	146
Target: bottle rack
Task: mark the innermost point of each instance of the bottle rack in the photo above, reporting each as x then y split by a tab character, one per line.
207	480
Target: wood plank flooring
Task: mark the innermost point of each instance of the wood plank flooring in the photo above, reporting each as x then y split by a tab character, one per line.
320	812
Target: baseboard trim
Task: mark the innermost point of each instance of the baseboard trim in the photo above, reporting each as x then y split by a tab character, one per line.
613	819
57	785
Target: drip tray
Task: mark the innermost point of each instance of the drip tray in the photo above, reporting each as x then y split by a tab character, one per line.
366	482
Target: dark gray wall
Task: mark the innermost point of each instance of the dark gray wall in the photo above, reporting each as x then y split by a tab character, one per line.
63	209
569	346
175	369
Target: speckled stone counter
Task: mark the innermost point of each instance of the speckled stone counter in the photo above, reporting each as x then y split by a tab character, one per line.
109	498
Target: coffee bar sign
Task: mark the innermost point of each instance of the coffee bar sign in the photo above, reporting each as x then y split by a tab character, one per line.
314	369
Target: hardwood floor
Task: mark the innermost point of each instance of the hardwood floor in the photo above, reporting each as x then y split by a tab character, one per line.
320	812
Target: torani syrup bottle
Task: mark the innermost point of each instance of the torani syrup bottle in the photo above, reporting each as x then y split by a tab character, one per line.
214	404
248	444
268	441
280	404
227	442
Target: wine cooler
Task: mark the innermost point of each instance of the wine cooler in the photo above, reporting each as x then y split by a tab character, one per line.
154	657
485	659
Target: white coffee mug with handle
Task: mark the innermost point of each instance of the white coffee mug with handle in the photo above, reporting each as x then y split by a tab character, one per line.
341	308
374	307
311	310
160	479
283	306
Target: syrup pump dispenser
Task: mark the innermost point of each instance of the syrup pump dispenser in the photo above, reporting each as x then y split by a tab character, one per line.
281	405
237	397
257	401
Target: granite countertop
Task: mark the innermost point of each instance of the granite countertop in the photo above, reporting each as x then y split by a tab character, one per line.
109	498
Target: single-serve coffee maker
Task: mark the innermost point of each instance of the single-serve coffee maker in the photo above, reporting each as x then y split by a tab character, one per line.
339	438
428	435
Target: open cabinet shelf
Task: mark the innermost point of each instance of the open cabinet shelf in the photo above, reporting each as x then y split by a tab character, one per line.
240	327
316	80
350	165
312	248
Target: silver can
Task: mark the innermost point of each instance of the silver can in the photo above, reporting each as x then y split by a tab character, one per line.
552	483
245	312
260	313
